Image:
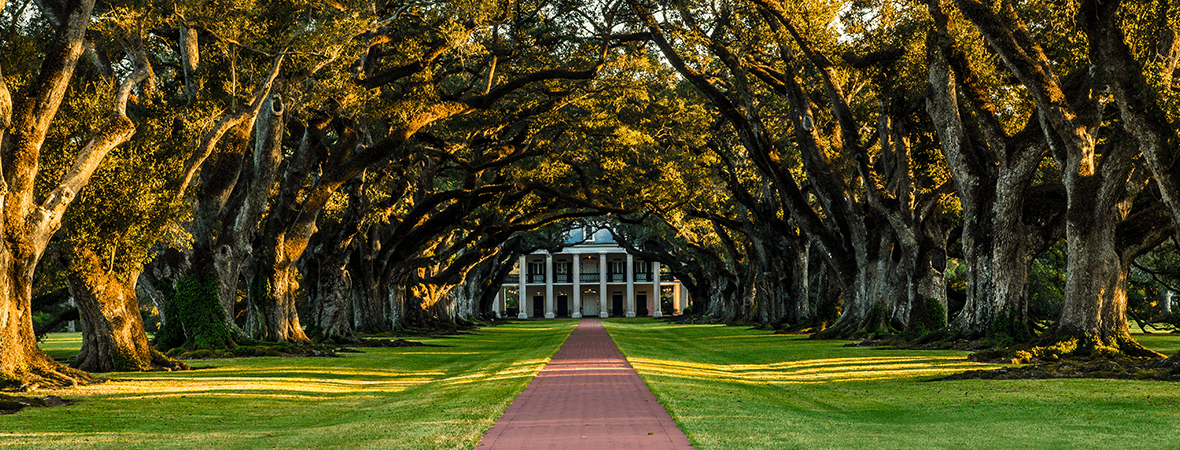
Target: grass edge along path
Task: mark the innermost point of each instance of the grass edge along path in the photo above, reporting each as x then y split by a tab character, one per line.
732	387
395	398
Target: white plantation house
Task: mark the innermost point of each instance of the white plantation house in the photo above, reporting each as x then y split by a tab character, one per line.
592	277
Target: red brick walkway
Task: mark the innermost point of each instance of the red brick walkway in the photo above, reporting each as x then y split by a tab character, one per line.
587	397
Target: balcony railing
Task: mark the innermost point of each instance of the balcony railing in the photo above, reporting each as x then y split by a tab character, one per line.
539	278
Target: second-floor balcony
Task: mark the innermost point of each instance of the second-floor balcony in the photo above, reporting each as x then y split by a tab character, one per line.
539	278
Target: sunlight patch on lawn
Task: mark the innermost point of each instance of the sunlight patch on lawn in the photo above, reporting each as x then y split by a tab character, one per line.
377	398
261	387
522	369
809	371
517	372
264	382
73	439
76	437
269	372
444	353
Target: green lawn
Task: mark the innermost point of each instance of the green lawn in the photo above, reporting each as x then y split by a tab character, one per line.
61	345
730	387
1165	343
419	397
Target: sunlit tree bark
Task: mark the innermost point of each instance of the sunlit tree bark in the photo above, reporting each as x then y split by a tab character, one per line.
1006	220
28	221
1096	173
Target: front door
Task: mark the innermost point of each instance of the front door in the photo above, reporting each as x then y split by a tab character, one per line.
590	306
538	306
617	306
563	309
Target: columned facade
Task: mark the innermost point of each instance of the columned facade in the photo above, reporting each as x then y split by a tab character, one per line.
592	277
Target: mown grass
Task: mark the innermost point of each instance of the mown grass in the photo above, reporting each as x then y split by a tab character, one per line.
414	398
731	387
61	346
1165	343
728	387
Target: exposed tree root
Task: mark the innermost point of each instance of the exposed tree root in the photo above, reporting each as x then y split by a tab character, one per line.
946	339
1073	357
848	332
1172	362
812	326
1052	349
690	319
1117	368
355	340
105	361
285	349
387	343
10	404
162	362
44	372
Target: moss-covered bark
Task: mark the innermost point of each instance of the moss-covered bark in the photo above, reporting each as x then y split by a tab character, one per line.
195	318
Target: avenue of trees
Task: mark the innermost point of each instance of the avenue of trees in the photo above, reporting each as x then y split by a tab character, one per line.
303	172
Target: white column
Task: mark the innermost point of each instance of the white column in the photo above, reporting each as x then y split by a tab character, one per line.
1167	305
549	286
496	302
577	313
676	309
656	290
523	314
683	298
602	310
630	277
71	323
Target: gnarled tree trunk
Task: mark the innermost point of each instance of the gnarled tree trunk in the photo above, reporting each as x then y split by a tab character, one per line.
329	291
1102	245
205	279
26	226
781	278
371	302
331	297
273	315
1005	223
113	338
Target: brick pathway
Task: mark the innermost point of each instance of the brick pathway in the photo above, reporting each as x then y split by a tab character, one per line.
587	397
